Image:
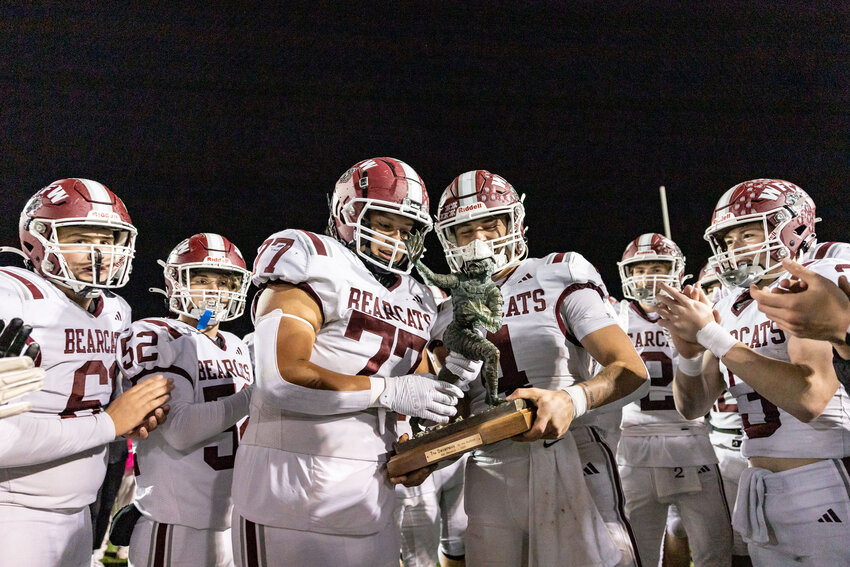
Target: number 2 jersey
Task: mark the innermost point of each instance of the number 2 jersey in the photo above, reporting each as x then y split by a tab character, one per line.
188	484
325	473
57	451
768	430
672	439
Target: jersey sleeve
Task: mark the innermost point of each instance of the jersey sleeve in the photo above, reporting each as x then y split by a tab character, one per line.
190	423
28	439
11	301
832	269
285	256
148	348
583	305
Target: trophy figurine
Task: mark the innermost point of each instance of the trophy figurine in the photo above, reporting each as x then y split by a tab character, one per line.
476	303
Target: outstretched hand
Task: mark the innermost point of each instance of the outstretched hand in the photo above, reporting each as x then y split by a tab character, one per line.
807	305
13	339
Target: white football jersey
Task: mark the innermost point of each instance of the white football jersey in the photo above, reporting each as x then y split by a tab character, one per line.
768	430
367	329
828	250
537	346
653	432
189	487
724	413
78	355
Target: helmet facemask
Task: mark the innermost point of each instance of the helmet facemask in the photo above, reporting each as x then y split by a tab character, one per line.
194	302
115	258
749	264
506	250
399	261
644	288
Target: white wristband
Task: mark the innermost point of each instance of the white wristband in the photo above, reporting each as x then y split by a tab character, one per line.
579	397
716	339
376	388
690	366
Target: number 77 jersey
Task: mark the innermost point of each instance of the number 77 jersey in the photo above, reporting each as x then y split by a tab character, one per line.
367	329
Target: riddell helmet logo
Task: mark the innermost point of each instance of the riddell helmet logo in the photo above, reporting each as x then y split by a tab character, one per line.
105	215
212	260
724	217
470	208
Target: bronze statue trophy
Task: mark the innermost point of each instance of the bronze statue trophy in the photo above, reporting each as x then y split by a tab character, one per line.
476	302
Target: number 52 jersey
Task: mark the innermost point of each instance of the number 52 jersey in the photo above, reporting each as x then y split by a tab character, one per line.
183	472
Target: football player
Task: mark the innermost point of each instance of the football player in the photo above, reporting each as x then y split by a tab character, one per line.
793	498
78	241
525	501
340	330
664	458
184	470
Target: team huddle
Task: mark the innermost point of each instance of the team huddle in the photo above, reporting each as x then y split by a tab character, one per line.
706	422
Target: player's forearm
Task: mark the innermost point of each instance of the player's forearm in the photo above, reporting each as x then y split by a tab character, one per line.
190	424
617	385
692	395
30	439
798	389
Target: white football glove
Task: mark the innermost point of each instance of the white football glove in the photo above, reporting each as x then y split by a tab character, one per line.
466	370
420	395
18	376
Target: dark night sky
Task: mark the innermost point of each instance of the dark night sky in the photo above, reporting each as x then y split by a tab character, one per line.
239	120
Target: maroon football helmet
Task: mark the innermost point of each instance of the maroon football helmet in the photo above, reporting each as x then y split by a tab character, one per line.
650	247
787	216
474	195
77	203
205	251
381	184
708	276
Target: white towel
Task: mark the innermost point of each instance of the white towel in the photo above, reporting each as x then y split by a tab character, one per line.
565	528
748	517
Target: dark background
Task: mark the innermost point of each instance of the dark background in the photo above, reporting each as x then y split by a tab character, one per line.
239	118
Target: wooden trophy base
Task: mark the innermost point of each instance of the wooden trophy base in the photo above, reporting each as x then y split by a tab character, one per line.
495	424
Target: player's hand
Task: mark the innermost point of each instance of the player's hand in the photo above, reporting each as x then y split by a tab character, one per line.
808	306
422	396
684	313
18	376
13	339
136	406
466	370
553	416
413	478
156	418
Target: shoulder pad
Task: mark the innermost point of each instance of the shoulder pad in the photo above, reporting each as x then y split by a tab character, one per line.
149	344
832	269
569	268
24	284
824	250
289	256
